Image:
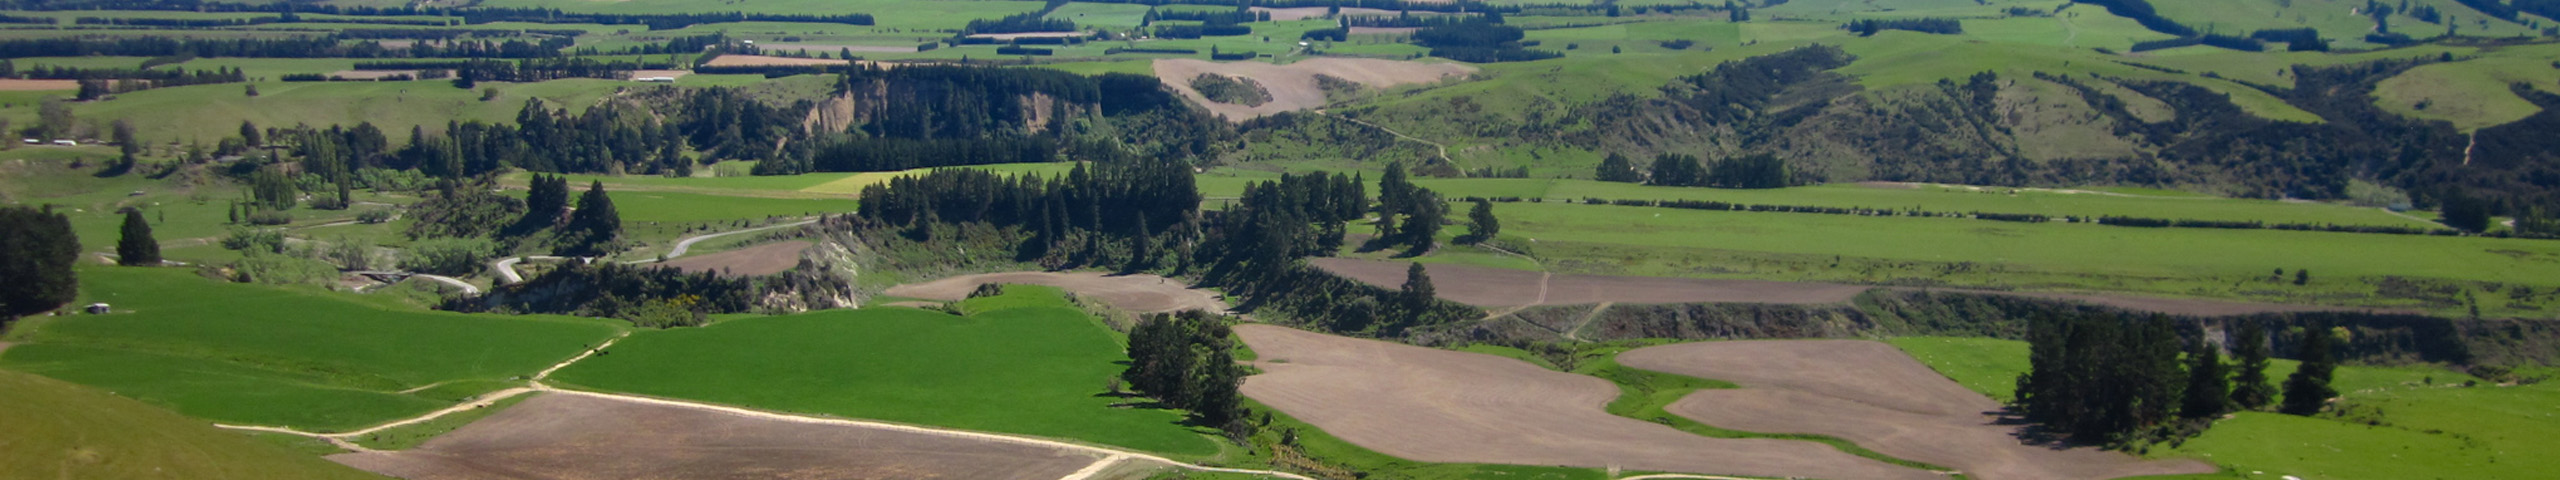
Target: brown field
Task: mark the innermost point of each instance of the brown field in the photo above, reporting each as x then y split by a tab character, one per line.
1136	293
638	74
1502	287
1010	36
1444	406
766	259
833	48
762	60
570	436
371	74
1878	397
1293	86
19	84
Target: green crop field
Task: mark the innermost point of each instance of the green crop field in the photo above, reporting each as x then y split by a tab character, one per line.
2183	262
206	113
62	430
1036	368
284	356
2430	425
2471	94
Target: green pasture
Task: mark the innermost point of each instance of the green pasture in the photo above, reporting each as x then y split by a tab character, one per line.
1108	15
180	214
678	207
283	356
63	430
2177	262
208	113
2076	27
1037	368
2429	425
2472	94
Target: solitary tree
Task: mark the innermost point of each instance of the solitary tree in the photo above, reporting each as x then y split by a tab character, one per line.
1481	224
2307	390
1417	291
249	134
1617	168
2302	277
127	144
2250	390
137	248
1422	225
2208	385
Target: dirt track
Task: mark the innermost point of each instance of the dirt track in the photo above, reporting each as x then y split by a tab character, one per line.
1293	86
1444	406
1874	395
1136	293
558	436
1502	287
762	60
766	259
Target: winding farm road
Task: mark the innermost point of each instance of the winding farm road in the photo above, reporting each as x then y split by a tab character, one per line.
505	268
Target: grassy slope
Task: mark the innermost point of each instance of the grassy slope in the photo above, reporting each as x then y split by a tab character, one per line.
1038	368
207	113
2472	93
284	356
59	430
2431	428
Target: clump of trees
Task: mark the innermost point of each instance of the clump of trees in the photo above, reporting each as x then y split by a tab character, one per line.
1941	26
1478	41
1408	215
1186	360
37	249
1682	170
2105	378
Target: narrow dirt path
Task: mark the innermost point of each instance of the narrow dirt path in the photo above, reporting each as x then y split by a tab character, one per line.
505	268
1444	149
1542	298
1575	333
1096	468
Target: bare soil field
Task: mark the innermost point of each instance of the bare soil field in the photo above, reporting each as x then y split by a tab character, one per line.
20	84
371	74
762	60
565	436
1136	293
1878	397
640	74
1293	86
766	259
1502	287
832	48
1444	406
1010	36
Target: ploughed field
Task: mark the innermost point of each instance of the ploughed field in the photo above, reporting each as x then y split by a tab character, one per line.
1137	293
1443	406
1873	395
570	436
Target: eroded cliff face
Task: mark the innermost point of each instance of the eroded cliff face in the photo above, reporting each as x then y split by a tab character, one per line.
1033	112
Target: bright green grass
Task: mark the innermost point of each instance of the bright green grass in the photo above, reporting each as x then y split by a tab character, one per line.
678	207
2077	27
283	356
1111	15
1037	368
1906	58
61	430
1985	365
2336	19
2129	251
2472	94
